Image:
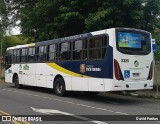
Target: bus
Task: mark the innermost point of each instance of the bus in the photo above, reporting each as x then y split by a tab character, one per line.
115	59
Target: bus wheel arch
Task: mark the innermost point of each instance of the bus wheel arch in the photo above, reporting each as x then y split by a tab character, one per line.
59	85
14	76
15	80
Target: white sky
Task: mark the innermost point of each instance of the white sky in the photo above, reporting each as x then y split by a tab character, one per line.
15	31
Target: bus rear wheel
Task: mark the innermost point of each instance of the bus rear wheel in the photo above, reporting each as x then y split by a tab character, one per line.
16	82
59	87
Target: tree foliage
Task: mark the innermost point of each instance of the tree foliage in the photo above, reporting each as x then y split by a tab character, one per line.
3	15
9	41
48	19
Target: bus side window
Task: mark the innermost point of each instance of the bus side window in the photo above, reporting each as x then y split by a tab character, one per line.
52	52
31	54
18	55
80	50
9	57
24	55
97	47
65	51
14	56
41	54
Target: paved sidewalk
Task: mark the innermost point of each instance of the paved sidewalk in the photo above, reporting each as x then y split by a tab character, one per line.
147	93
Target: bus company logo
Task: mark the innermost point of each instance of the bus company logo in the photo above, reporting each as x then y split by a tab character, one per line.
25	67
82	68
136	63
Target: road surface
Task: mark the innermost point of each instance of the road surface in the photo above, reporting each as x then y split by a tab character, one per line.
43	104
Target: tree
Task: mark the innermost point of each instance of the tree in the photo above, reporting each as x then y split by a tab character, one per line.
58	18
156	35
151	12
111	13
50	19
3	15
9	41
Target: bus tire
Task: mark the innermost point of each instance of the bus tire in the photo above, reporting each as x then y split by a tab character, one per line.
59	87
16	82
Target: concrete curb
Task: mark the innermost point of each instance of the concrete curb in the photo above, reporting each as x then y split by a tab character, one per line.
148	95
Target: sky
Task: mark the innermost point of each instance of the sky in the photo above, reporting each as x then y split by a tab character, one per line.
15	30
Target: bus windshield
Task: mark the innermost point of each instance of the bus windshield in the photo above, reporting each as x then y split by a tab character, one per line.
133	42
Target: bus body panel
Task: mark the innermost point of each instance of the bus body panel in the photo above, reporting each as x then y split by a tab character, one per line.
79	84
31	72
41	74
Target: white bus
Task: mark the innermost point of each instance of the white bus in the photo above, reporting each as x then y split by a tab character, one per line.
116	59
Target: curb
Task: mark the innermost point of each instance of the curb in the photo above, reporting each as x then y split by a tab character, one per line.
148	95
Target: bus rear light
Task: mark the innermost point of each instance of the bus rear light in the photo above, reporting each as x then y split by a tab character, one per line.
117	71
150	75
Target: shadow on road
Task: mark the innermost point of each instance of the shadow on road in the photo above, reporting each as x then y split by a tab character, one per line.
108	97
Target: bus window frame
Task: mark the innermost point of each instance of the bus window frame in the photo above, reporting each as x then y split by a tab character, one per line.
86	49
55	52
14	56
128	52
34	55
106	47
69	51
26	55
18	56
38	60
9	57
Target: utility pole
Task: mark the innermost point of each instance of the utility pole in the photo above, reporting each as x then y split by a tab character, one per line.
1	55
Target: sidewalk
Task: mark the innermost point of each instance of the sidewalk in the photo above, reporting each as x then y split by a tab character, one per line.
152	94
147	93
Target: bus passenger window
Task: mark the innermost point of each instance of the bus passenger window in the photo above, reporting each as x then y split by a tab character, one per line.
24	55
9	57
42	53
31	54
52	52
14	56
18	55
97	47
80	50
65	51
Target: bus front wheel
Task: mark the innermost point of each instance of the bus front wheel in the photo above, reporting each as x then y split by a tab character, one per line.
59	87
16	82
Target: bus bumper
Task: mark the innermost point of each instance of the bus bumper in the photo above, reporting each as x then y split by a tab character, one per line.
134	85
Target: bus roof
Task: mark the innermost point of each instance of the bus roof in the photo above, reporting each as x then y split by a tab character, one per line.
21	46
74	37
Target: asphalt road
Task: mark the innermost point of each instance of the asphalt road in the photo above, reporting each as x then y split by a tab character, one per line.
76	107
